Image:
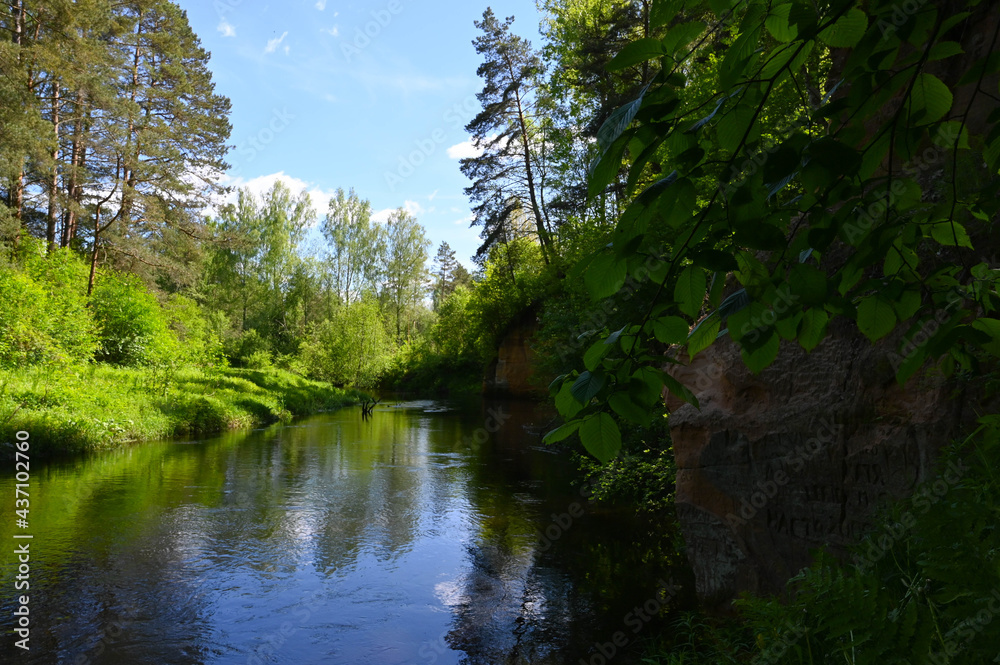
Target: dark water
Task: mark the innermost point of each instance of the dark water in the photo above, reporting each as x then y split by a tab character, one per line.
416	537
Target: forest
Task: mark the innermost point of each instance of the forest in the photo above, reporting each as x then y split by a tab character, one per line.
652	181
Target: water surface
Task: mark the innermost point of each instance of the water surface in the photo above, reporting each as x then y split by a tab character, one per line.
418	536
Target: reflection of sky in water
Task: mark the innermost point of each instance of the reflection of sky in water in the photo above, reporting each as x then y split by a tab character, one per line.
333	541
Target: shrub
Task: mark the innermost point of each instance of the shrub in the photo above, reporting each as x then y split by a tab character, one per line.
352	347
132	327
43	313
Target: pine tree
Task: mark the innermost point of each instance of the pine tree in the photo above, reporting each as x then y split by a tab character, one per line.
446	267
508	178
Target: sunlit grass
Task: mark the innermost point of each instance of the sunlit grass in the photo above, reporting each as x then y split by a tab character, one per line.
75	408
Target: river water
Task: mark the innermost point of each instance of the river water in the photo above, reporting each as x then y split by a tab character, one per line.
433	533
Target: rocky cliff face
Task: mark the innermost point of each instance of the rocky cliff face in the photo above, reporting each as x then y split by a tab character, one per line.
798	457
512	373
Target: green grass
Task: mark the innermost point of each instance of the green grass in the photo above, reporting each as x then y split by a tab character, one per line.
81	408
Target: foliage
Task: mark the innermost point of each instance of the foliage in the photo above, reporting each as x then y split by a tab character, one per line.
95	407
113	135
351	348
43	314
131	326
513	278
355	246
508	177
842	219
405	265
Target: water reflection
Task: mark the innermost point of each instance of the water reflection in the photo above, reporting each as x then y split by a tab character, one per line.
408	538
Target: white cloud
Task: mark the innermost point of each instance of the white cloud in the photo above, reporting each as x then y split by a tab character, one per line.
333	32
464	150
465	221
226	28
273	44
382	216
321	4
320	198
414	208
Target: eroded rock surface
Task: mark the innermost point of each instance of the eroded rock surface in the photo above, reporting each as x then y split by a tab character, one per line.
798	457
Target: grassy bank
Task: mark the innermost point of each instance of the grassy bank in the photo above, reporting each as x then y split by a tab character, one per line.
80	408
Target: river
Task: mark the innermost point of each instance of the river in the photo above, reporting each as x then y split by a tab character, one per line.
432	533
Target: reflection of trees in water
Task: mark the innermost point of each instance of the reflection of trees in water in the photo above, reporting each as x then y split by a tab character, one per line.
509	611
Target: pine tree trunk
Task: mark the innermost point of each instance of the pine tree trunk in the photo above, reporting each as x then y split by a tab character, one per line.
52	220
16	197
74	190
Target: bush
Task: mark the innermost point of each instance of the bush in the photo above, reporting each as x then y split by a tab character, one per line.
249	349
43	313
351	348
200	336
132	327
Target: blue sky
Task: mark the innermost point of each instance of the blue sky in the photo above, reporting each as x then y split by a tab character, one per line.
367	94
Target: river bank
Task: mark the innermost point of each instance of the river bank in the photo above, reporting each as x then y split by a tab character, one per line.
88	407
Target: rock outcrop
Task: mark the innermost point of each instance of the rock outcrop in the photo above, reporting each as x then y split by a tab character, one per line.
512	374
798	457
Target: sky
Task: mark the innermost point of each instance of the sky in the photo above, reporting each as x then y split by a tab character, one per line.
372	95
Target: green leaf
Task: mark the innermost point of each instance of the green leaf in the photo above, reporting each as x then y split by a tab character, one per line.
586	387
781	163
777	24
678	389
930	100
733	127
847	31
703	335
671	330
714	260
813	328
605	276
562	433
876	317
636	52
951	234
663	12
808	283
566	404
763	355
607	166
992	328
601	437
623	405
618	122
908	305
943	50
681	35
690	291
835	156
595	354
646	386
